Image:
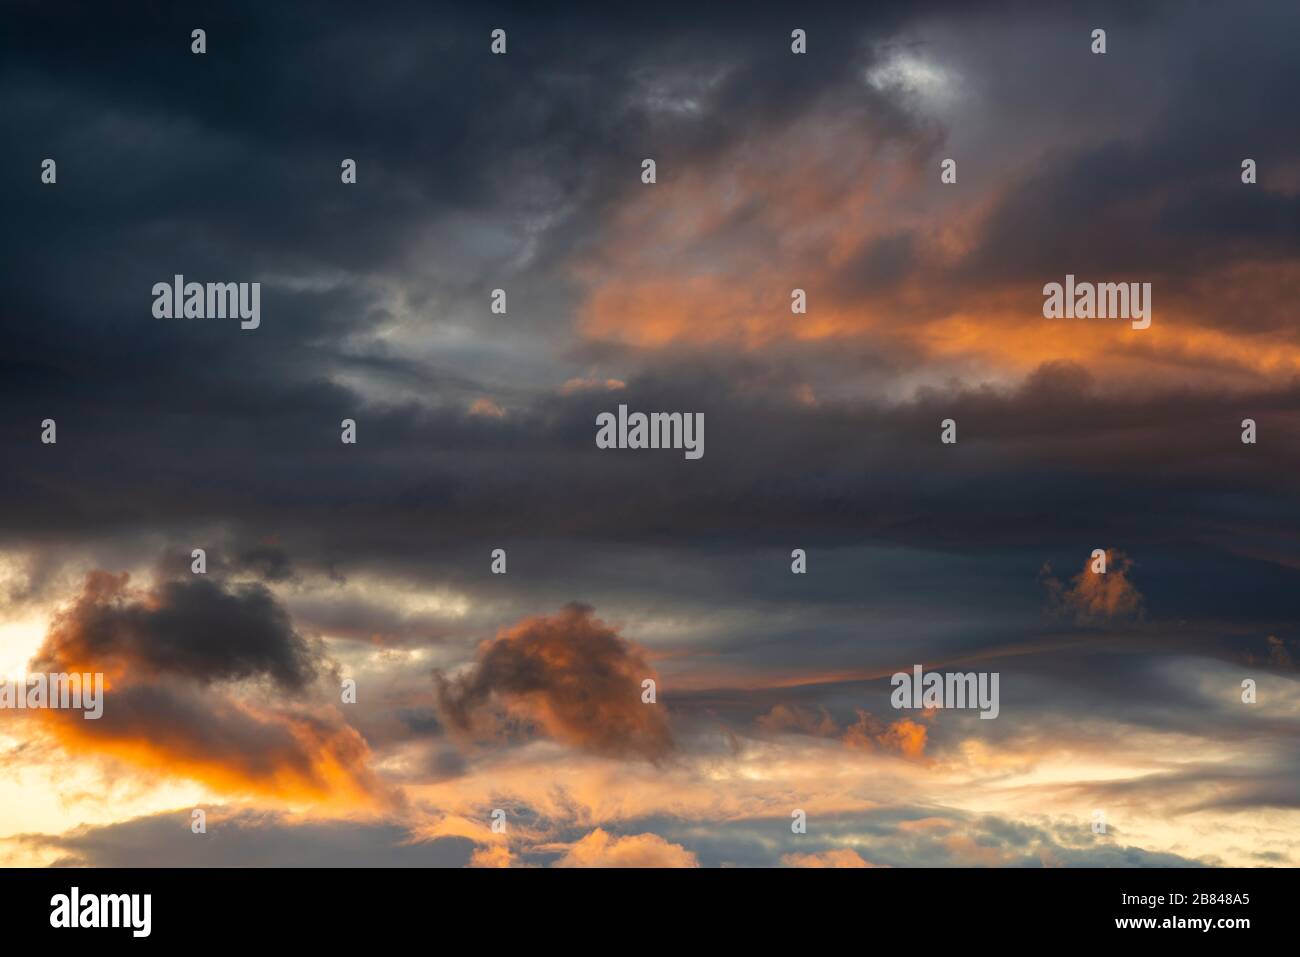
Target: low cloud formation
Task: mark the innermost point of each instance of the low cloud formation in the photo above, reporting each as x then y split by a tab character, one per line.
569	676
1095	598
240	837
842	857
600	849
867	733
172	729
492	855
905	736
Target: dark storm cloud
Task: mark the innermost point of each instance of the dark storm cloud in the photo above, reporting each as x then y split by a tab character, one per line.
170	160
1165	202
1126	165
204	165
195	629
246	140
263	560
1091	470
1135	210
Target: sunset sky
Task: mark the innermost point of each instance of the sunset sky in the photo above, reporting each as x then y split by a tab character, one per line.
475	431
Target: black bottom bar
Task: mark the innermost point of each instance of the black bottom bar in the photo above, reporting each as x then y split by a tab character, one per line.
664	908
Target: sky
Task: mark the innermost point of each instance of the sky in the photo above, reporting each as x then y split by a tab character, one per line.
517	698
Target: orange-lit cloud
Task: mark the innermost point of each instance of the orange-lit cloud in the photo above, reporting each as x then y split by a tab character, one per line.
174	657
905	736
1095	597
493	855
231	747
709	262
487	408
966	852
867	733
838	858
568	675
591	384
600	849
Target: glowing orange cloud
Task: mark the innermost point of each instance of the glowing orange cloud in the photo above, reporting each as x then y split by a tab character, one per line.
600	849
839	858
172	706
232	748
709	261
1094	597
904	736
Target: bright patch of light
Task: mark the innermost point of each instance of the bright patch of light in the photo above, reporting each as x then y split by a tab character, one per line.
913	76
